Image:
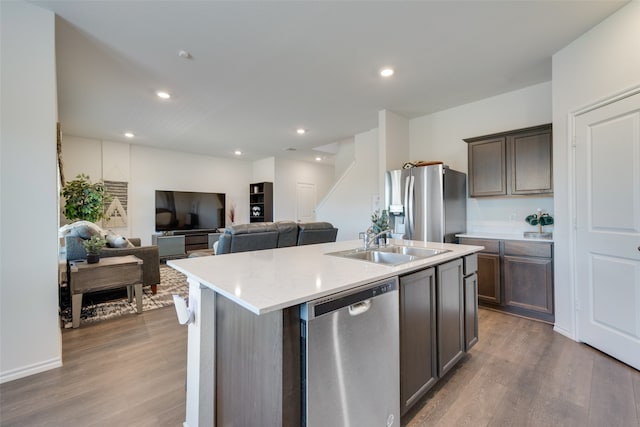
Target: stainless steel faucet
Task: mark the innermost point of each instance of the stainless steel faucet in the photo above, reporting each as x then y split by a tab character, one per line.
368	238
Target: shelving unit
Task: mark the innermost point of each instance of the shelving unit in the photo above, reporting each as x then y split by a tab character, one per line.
261	202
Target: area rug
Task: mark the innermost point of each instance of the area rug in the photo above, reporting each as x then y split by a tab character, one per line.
98	306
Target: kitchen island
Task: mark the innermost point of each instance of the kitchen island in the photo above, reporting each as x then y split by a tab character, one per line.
243	360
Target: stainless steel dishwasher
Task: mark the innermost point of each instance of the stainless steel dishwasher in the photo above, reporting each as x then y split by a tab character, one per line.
350	358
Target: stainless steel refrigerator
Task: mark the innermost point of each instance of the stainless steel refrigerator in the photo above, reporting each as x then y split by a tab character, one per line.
427	203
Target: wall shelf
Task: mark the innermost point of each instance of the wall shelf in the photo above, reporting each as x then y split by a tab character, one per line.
261	202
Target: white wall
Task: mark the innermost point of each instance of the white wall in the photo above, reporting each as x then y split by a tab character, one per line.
288	173
439	136
99	160
264	170
81	155
394	140
30	340
154	169
348	205
345	156
603	62
147	169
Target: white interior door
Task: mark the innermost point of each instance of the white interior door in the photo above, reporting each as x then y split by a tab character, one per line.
607	157
305	202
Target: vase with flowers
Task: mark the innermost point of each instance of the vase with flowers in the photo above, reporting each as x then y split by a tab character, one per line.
540	219
379	225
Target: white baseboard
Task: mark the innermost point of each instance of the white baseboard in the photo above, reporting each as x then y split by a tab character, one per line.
28	370
564	332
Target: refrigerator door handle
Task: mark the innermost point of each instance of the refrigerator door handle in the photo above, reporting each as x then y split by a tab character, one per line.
410	214
407	220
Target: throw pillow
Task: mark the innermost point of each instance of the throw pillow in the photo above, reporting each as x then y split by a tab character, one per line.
116	241
82	229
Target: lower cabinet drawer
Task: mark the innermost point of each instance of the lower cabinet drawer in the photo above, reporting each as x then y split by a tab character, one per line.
535	249
197	239
490	245
470	264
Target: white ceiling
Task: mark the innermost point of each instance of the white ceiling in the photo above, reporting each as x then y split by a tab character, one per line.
261	69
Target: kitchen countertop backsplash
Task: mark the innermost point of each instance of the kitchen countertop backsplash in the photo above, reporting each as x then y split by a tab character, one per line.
501	218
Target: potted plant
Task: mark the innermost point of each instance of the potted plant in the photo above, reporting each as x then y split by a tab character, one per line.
84	200
379	223
539	218
93	246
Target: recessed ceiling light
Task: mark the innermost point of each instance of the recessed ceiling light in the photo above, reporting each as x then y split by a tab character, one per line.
301	131
163	95
129	134
386	72
237	153
318	159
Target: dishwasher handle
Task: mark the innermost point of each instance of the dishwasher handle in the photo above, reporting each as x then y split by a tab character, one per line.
360	307
356	301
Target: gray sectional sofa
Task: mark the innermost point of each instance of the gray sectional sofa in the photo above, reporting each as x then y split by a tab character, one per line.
271	235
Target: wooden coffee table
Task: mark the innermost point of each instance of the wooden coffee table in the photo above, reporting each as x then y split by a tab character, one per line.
108	273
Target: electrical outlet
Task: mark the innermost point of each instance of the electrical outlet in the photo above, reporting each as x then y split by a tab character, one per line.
512	217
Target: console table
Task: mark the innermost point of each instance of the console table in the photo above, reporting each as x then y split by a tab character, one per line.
180	243
108	273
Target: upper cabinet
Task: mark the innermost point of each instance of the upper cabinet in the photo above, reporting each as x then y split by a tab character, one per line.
514	163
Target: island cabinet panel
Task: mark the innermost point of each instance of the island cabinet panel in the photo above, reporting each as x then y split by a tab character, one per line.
418	367
257	366
450	314
470	270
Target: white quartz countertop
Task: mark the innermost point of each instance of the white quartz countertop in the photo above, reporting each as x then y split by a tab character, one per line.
273	279
502	236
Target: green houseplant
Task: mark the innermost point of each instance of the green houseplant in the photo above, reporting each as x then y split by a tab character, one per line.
379	221
539	218
84	200
93	246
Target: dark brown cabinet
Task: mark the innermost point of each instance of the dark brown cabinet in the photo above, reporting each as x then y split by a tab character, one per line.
418	358
489	286
528	278
516	276
196	241
489	278
487	167
261	202
470	264
450	315
434	325
514	163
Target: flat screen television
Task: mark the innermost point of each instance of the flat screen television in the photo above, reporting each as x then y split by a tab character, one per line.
189	210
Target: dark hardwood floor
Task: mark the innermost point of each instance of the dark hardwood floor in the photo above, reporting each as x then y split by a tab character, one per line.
131	371
128	371
521	373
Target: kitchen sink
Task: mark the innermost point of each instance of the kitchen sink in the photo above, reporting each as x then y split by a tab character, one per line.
389	255
413	251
